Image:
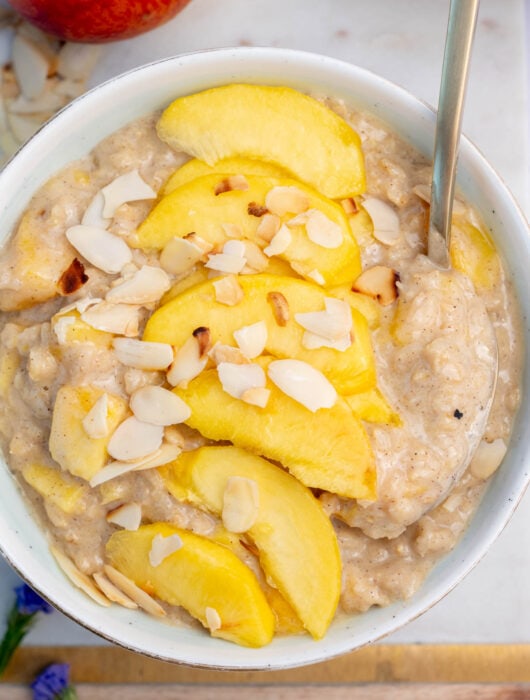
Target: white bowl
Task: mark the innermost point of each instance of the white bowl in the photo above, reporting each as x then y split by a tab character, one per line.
74	132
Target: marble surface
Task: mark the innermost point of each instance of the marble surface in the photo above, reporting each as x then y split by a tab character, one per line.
403	41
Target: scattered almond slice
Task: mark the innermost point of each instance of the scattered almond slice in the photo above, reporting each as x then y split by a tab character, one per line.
93	215
279	243
127	516
257	261
133	439
312	341
227	353
282	200
121	319
143	354
223	262
256	396
76	61
240	504
316	276
180	255
213	619
112	592
60	328
72	278
333	323
234	247
268	227
236	379
135	593
30	67
303	383
101	248
204	340
378	282
129	187
163	547
232	230
47	102
350	206
252	339
233	182
156	405
146	286
23	127
384	219
228	291
280	307
95	422
167	453
322	230
187	364
487	458
78	578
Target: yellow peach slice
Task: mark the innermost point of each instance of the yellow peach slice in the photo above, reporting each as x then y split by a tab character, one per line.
297	546
203	577
372	407
473	253
274	124
57	488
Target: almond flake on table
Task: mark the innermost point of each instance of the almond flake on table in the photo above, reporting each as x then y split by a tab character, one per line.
252	339
187	364
154	404
127	516
101	248
240	504
236	378
129	187
279	242
163	547
180	255
95	422
303	383
143	354
384	219
133	439
121	319
145	286
30	66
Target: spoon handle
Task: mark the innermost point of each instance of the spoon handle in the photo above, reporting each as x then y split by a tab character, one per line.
458	43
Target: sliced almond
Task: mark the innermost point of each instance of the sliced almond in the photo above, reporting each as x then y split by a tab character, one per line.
280	307
133	439
205	246
30	66
129	187
227	353
204	340
312	341
163	547
76	61
213	619
156	405
240	504
316	276
180	255
61	326
232	230
143	354
46	102
283	200
252	339
384	219
280	242
268	227
121	319
228	291
95	422
350	206
174	436
303	383
257	261
255	209
187	364
257	396
234	182
167	453
23	127
135	593
112	592
322	230
78	578
101	248
127	516
333	323
487	458
236	379
223	262
234	247
378	282
146	286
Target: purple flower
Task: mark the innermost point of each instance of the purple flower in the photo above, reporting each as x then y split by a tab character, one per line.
29	602
53	684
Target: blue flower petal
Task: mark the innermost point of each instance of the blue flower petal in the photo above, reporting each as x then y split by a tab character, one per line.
29	602
51	682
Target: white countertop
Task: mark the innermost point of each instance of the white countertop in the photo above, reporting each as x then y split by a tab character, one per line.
403	41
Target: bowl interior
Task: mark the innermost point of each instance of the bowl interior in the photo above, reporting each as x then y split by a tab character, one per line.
74	132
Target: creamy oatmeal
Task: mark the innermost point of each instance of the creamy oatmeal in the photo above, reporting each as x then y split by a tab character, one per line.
114	369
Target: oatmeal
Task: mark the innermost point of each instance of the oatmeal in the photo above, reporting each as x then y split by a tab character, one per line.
245	381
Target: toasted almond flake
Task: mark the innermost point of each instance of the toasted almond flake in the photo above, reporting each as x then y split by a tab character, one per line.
232	230
60	328
205	246
112	592
78	578
236	379
317	277
135	593
384	219
312	341
234	247
213	619
101	248
268	227
279	243
187	364
487	458
163	547
378	282
255	209
228	291
70	88
121	319
83	304
257	396
350	206
174	436
167	453
234	182
127	516
143	354
322	230
147	285
227	353
252	339
257	261
333	323
303	383
180	255
204	339
30	66
129	187
73	278
222	262
133	439
46	102
76	61
95	422
93	215
283	200
280	307
156	405
240	504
